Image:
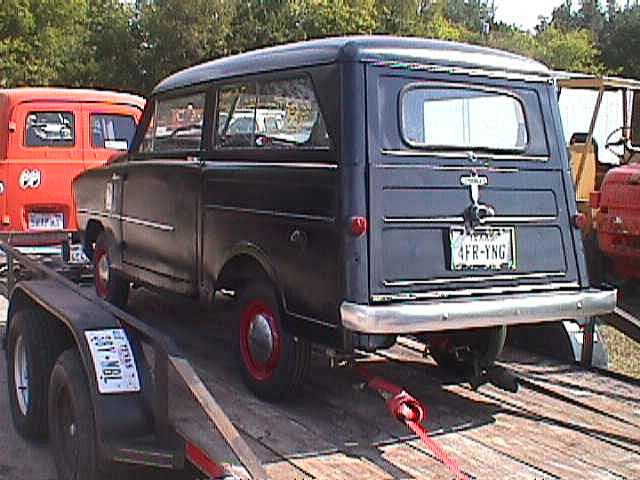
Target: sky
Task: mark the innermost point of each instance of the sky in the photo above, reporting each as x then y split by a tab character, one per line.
524	13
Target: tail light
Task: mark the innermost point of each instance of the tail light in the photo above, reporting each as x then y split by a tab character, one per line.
594	199
359	226
580	220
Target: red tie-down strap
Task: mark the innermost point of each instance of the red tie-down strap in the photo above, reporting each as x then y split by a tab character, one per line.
411	412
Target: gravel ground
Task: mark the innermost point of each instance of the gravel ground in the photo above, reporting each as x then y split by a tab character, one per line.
624	353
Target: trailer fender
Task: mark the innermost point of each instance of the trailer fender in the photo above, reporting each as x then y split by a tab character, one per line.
118	416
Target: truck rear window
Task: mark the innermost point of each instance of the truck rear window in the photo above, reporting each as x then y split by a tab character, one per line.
462	118
113	132
50	129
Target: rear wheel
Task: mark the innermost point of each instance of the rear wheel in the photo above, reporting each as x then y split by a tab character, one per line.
71	421
273	362
456	351
109	285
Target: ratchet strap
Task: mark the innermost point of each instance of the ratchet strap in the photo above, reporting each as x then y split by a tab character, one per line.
411	412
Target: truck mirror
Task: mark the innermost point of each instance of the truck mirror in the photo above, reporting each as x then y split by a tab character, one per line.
635	120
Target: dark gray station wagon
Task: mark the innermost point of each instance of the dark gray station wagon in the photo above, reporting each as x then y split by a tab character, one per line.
348	191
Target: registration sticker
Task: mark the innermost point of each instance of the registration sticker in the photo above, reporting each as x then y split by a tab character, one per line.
113	361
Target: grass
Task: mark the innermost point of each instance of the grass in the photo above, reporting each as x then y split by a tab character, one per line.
624	353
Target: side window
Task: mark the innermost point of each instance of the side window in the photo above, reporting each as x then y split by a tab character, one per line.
50	129
278	114
176	125
113	132
236	125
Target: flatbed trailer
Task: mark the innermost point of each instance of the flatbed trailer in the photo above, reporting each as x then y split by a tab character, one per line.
565	422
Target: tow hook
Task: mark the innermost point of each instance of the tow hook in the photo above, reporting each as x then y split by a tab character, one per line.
496	375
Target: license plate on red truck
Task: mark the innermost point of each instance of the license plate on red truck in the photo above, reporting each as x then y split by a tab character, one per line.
46	221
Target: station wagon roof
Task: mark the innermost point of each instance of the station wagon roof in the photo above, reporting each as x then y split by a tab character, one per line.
14	96
353	49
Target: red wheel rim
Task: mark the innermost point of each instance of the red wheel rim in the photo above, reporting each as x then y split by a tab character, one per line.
101	281
259	324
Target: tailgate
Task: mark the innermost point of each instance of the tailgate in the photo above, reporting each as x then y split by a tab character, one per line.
449	221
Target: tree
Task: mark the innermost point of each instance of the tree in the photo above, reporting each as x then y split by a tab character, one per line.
621	46
175	34
40	40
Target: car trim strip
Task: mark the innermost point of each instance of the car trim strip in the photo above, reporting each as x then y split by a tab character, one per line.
136	221
272	213
320	165
462	155
404	296
460	219
475	278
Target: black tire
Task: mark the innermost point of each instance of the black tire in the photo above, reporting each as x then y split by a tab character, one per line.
71	421
31	332
109	284
485	343
280	375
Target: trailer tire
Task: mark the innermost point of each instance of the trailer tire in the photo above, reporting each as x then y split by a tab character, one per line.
487	343
31	353
273	363
109	285
71	421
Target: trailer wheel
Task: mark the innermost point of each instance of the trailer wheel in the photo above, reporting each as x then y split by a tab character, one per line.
31	351
110	286
71	422
273	362
454	351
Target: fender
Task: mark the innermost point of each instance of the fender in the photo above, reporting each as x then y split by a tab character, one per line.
117	416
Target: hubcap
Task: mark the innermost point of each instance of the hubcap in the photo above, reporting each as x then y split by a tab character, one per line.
103	269
260	339
21	375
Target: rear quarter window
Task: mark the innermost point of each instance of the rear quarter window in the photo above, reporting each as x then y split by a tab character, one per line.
50	129
465	118
111	131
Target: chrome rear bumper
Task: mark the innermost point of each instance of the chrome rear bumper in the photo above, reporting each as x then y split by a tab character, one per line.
414	317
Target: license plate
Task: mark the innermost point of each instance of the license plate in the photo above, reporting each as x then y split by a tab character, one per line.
46	221
76	254
113	361
483	248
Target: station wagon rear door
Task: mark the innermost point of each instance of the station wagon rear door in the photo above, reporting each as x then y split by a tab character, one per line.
468	187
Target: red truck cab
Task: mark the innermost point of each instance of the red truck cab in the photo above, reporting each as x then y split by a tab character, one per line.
48	136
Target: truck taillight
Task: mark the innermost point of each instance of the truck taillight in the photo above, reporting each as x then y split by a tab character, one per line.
594	199
580	220
359	226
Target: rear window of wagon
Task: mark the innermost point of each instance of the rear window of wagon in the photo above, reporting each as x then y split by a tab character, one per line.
462	118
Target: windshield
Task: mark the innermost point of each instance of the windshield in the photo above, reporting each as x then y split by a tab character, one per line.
576	109
462	118
113	132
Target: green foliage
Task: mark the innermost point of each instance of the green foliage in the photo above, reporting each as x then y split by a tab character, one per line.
132	45
621	44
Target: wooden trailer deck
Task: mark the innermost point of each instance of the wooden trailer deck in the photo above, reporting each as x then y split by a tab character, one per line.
565	422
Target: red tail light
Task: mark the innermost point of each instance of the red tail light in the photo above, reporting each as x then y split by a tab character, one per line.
594	199
359	226
580	220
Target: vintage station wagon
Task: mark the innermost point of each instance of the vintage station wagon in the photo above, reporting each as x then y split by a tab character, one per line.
374	187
